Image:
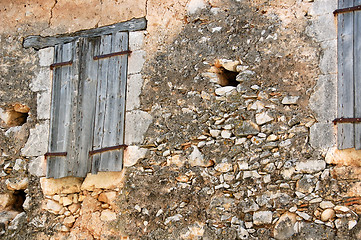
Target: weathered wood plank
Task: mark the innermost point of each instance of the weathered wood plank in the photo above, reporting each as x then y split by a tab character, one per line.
39	42
357	73
104	48
345	101
112	160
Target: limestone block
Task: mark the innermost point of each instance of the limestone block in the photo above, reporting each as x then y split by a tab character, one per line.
46	56
322	135
37	143
328	62
52	206
136	125
136	61
43	102
324	99
345	157
51	186
321	7
323	28
37	166
132	154
134	88
310	166
103	180
42	81
136	40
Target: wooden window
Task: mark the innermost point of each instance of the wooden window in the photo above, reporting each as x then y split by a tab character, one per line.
88	98
349	74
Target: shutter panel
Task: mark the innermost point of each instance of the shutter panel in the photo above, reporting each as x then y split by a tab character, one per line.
345	101
65	79
357	73
110	106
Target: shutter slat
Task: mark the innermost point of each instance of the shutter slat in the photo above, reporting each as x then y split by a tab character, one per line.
105	48
63	90
112	160
345	101
357	73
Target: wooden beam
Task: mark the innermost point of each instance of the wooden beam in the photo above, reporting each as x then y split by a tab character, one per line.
39	42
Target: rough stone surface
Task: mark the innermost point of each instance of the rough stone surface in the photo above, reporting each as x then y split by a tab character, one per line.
51	186
103	180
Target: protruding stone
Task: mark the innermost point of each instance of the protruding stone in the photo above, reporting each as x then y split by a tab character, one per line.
224	167
104	180
285	226
328	214
262	118
262	217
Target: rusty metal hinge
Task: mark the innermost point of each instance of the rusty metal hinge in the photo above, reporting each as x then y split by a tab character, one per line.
55	154
345	10
107	149
111	54
55	65
346	120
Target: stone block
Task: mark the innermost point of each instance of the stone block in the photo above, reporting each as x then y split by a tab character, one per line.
46	56
321	7
328	62
323	28
322	135
37	166
51	186
345	157
323	101
310	166
136	61
43	105
136	125
42	81
132	154
262	217
103	180
136	40
134	88
37	143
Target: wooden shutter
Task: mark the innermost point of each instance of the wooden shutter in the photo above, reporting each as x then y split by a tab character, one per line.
64	100
110	102
349	73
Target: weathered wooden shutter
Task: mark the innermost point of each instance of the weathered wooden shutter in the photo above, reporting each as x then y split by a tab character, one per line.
64	101
349	76
111	54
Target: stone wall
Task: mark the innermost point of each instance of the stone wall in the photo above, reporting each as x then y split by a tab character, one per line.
229	111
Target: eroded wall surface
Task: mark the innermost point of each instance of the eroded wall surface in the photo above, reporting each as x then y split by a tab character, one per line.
252	158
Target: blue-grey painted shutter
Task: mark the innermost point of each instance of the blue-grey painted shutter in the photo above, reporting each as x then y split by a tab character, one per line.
110	102
64	100
349	83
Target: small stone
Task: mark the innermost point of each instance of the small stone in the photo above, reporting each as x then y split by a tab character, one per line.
160	212
66	201
196	158
262	217
108	215
351	224
215	133
52	206
326	204
230	65
182	178
248	205
304	215
174	218
224	90
328	214
245	128
138	208
243	165
108	197
246	75
342	209
17	184
226	134
242	233
262	118
224	167
74	207
166	153
241	68
69	221
272	138
6	200
285	226
290	100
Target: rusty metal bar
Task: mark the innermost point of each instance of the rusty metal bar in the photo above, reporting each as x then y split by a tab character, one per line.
111	54
55	154
346	120
349	9
107	149
54	65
